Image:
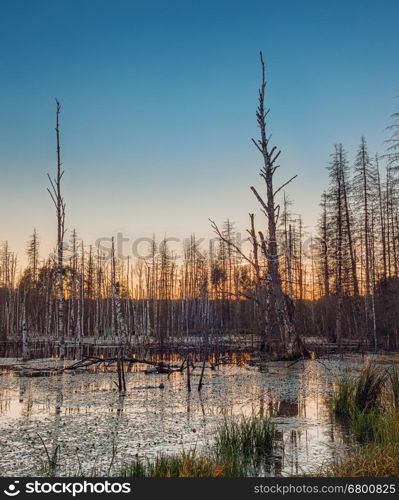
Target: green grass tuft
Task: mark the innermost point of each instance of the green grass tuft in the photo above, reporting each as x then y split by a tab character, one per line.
240	446
393	377
343	397
247	437
184	465
368	387
369	404
363	393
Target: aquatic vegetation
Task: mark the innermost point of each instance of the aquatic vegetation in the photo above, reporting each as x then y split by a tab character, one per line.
186	464
50	463
368	387
393	377
342	398
360	394
97	433
370	461
238	445
246	437
365	424
369	403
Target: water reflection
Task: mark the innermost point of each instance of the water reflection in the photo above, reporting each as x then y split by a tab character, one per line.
82	415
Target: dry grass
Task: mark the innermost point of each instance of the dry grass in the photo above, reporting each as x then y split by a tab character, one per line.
370	461
183	465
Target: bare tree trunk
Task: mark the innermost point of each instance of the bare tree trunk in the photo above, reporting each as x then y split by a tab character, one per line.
348	222
25	340
56	196
271	211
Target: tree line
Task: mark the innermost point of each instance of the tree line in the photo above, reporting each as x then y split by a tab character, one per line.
341	283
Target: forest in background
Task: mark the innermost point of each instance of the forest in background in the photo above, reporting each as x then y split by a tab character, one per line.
342	283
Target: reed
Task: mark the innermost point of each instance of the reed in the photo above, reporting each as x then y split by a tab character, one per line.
364	393
186	464
248	437
239	445
369	403
393	378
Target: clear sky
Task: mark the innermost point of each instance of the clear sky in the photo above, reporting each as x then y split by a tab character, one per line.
158	101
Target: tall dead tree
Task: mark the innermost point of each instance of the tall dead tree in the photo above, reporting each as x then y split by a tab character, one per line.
364	191
32	250
336	198
392	152
348	222
286	220
81	300
279	331
58	200
277	303
324	245
363	182
24	328
382	220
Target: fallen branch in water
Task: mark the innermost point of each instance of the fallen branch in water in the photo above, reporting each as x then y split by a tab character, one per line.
159	366
155	367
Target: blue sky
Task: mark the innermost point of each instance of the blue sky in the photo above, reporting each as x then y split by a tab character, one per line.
158	102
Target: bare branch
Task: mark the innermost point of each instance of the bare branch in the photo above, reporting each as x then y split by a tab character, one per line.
257	145
283	185
230	243
259	198
277	210
272	160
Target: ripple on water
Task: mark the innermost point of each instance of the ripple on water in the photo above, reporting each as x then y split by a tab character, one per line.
93	427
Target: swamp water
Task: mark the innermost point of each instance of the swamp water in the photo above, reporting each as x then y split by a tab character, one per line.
96	431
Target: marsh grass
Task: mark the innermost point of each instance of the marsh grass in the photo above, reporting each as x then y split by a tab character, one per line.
386	429
393	377
240	447
187	464
365	424
369	461
369	405
365	394
50	464
343	397
248	437
368	388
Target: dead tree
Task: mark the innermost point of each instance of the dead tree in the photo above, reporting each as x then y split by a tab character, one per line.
277	303
363	182
382	220
363	188
24	328
392	152
275	309
336	197
56	196
32	251
120	326
81	301
348	217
